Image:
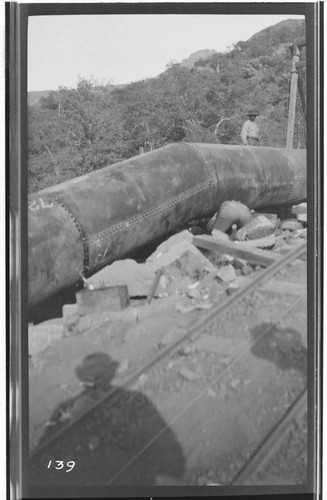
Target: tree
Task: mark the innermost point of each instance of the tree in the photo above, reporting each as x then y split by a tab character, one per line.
76	131
80	124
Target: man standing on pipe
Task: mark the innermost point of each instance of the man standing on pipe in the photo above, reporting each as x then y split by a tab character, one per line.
250	130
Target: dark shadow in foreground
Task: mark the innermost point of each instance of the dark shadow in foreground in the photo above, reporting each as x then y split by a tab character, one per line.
117	434
282	346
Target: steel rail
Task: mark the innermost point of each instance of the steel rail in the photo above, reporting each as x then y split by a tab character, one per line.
272	441
220	375
172	348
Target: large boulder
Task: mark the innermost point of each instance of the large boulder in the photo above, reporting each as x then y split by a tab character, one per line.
137	277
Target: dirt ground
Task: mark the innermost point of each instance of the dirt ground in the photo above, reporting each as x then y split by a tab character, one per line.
196	418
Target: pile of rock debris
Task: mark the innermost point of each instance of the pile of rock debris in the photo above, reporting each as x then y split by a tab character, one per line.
197	269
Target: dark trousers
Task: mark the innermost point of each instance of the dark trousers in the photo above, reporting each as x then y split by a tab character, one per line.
252	141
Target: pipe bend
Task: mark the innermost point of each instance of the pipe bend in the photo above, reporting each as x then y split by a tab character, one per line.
83	224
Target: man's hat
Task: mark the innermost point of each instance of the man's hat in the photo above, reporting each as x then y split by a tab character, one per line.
252	113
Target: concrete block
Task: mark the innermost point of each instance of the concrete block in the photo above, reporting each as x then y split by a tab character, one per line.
259	227
163	289
227	273
233	287
178	248
272	217
171	243
137	277
291	225
102	300
68	309
217	234
302	218
300	209
41	336
193	264
91	321
71	320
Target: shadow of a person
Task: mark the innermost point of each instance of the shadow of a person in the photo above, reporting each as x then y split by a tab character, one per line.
282	346
124	442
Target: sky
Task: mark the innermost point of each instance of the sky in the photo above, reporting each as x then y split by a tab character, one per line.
125	48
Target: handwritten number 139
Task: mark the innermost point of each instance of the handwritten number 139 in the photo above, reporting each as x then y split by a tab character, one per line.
60	465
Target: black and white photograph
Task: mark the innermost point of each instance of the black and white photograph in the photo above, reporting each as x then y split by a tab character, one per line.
170	326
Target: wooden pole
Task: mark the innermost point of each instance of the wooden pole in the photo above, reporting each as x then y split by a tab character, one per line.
301	92
293	92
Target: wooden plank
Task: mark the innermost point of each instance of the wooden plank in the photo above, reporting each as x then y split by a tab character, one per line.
254	255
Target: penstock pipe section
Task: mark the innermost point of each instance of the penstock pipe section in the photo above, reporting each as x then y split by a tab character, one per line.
82	225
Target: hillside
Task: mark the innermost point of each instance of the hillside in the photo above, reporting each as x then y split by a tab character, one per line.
34	96
289	31
203	98
190	61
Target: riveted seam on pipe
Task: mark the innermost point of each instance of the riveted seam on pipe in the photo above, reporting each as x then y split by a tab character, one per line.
208	167
81	233
149	213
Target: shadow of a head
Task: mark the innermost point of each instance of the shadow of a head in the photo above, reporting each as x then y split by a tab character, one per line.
125	442
282	346
97	369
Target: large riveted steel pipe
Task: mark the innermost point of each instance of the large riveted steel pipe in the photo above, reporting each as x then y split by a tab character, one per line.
84	224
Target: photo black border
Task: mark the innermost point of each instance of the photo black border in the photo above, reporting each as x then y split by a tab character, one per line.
17	188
